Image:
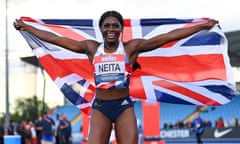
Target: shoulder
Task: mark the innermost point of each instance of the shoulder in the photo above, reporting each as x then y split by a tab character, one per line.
132	45
91	45
132	42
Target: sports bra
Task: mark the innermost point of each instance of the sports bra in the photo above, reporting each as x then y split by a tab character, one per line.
111	70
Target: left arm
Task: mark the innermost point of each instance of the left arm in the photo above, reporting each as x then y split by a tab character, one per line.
157	41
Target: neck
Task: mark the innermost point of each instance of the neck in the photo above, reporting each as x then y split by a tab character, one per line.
111	47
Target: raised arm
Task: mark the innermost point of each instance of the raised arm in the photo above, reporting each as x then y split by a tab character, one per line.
77	46
157	41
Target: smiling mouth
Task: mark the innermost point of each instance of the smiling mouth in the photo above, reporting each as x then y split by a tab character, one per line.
111	36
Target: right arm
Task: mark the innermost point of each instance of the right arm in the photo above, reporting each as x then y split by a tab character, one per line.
71	44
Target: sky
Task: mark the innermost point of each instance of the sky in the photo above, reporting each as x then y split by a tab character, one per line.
225	11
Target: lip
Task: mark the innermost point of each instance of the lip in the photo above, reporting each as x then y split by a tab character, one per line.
111	36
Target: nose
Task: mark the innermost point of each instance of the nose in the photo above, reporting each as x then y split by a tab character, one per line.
110	28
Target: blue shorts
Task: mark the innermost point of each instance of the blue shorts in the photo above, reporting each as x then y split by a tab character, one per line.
47	138
112	109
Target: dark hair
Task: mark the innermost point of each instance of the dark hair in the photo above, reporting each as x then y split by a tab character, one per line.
112	13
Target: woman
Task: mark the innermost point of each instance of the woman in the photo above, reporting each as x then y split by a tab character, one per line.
113	61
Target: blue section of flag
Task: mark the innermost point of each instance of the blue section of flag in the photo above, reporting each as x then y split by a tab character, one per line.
69	22
223	90
73	96
165	97
204	38
163	21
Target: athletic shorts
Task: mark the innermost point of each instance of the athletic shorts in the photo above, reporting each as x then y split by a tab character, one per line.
112	109
47	138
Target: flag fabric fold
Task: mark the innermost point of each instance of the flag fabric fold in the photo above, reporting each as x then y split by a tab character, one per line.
194	70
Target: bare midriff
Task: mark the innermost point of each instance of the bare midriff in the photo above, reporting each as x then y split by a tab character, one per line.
109	94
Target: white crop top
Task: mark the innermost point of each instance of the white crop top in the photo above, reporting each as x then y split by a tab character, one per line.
111	70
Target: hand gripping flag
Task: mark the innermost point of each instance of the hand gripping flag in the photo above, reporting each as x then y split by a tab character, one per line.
194	70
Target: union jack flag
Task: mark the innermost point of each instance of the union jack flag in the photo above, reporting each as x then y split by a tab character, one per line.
194	70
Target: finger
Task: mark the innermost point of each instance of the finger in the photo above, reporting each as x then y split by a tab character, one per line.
17	27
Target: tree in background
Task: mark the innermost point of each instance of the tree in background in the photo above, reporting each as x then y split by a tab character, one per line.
28	108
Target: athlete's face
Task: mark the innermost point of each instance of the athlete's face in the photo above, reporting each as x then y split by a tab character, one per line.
111	29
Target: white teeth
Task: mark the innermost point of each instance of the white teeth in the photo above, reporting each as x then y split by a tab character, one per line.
110	35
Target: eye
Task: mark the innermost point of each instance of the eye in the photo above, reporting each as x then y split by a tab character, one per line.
116	25
106	25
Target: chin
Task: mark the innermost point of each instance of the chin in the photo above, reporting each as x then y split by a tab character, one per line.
112	41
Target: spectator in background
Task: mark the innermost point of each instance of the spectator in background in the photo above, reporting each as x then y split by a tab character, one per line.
165	125
233	122
188	124
33	133
38	129
207	123
65	130
28	132
10	128
197	125
170	126
21	131
46	125
56	131
220	123
179	124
